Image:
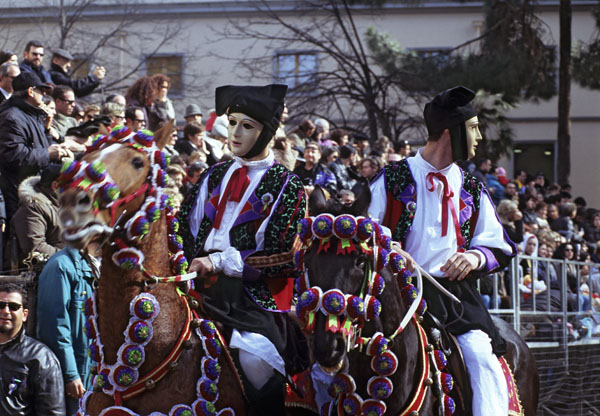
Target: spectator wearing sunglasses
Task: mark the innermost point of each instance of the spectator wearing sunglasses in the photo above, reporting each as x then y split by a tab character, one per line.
33	56
65	104
30	377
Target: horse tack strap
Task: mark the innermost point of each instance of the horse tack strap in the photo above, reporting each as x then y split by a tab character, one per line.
161	370
419	397
125	200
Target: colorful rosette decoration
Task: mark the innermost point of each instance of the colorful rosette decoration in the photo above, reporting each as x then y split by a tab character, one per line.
101	380
69	169
372	407
96	171
109	193
304	230
409	294
383	256
139	332
322	226
377	285
380	388
228	411
385	242
123	377
447	382
211	368
372	308
422	307
144	138
90	328
377	345
333	302
309	299
208	328
385	364
212	346
119	132
411	207
128	258
364	229
299	260
98	142
397	262
173	224
355	307
161	179
404	277
164	201
151	209
181	410
132	355
341	383
179	263
144	306
440	359
162	159
207	389
344	228
448	406
175	243
203	407
301	284
94	352
352	404
137	226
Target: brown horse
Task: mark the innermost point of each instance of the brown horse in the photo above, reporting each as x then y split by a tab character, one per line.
114	196
409	389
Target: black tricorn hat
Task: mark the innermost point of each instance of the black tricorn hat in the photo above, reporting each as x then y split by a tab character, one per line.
449	108
264	104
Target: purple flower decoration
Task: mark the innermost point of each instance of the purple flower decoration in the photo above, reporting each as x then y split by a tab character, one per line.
127	258
355	307
372	407
204	408
322	226
98	142
377	345
173	223
404	277
96	171
447	382
383	256
145	307
208	328
162	159
90	328
69	169
352	404
380	387
449	406
212	346
175	243
144	138
364	229
211	368
305	229
373	308
94	352
422	307
344	227
181	410
109	192
385	364
133	355
397	262
409	294
309	299
207	389
139	331
101	381
124	376
377	286
333	302
440	359
341	383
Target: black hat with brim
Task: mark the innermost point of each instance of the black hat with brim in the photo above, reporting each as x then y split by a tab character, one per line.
449	108
28	80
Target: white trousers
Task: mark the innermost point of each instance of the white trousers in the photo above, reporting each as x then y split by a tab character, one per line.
490	393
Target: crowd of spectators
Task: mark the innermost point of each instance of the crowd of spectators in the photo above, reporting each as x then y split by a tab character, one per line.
47	117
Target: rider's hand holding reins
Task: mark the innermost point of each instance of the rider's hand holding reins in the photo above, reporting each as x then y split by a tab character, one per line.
203	266
460	265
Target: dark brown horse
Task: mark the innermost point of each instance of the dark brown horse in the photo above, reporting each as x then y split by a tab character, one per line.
139	248
329	270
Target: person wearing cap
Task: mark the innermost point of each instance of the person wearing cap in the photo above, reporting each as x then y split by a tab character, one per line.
443	219
59	71
239	229
35	225
313	172
33	56
193	113
8	72
26	146
404	149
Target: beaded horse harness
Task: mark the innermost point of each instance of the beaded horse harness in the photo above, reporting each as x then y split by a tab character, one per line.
347	314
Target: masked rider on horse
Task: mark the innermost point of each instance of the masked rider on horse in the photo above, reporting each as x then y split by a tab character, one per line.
239	227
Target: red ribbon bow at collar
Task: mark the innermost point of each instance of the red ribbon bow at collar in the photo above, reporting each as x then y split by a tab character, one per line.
237	185
446	204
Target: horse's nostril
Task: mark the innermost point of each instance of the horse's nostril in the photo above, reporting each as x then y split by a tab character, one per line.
84	200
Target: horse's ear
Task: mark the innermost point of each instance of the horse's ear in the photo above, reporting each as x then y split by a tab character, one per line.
361	205
317	202
162	135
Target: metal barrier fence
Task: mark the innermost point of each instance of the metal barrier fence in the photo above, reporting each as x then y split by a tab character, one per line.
554	317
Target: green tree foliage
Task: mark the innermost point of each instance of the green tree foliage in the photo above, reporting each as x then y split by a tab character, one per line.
586	59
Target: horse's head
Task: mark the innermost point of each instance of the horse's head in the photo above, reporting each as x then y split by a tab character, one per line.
112	180
338	264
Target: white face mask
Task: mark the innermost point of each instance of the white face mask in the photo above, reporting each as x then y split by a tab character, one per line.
473	135
243	133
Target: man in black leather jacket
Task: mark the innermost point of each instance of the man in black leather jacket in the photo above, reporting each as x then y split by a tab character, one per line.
31	382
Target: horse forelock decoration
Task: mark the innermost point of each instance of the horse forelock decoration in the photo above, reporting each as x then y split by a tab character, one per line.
358	302
154	354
